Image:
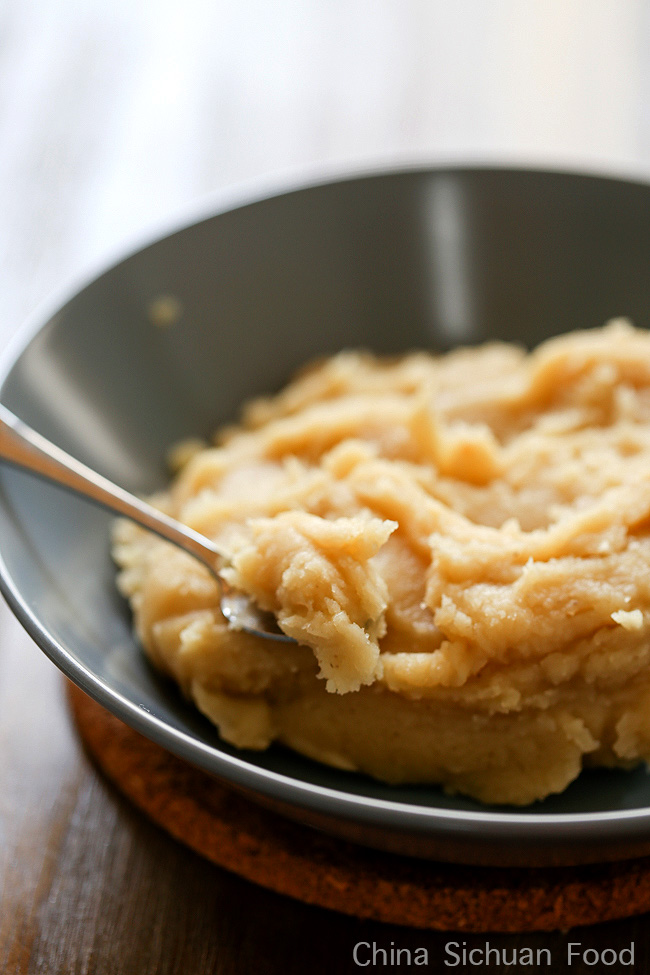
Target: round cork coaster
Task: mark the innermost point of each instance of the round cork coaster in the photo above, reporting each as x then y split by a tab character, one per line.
291	859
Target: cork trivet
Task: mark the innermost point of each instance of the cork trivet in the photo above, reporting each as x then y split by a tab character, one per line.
295	860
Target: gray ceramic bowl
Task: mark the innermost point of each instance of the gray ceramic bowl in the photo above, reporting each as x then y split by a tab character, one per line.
426	258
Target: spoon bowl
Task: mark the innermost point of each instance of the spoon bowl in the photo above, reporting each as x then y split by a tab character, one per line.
431	258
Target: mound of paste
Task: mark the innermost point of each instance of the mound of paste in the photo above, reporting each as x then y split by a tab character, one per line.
460	546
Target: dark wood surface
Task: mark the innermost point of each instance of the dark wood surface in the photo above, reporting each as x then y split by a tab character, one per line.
116	117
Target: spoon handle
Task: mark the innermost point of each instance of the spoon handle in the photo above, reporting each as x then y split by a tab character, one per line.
22	446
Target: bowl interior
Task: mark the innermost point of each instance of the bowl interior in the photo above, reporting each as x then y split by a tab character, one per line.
419	259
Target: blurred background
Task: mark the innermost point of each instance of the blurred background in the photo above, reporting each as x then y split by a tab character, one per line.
118	117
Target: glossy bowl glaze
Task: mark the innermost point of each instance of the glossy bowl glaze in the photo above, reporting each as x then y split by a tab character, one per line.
390	262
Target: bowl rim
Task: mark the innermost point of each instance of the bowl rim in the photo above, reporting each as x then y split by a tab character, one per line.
356	807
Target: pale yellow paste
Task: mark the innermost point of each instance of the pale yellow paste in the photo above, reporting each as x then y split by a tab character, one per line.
461	547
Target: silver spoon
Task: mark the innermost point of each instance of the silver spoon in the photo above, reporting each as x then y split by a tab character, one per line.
23	447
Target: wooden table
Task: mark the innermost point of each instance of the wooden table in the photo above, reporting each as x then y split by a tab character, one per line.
116	117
